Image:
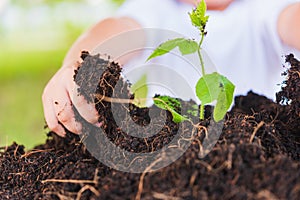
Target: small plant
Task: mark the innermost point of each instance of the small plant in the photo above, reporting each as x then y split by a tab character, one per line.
210	87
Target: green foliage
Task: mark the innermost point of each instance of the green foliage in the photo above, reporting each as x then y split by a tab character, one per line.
186	46
118	2
52	3
170	104
23	77
198	16
140	91
213	87
26	4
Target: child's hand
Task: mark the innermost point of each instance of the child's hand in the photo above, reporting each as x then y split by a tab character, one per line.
59	96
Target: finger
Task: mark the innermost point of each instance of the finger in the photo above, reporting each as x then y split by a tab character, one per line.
85	109
65	114
51	119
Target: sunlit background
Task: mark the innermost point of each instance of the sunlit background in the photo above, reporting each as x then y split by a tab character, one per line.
34	37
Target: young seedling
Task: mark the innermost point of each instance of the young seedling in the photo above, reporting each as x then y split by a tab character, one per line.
210	87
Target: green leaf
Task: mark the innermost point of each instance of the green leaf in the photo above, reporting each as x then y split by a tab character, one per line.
186	46
207	88
170	104
212	87
225	98
140	91
198	17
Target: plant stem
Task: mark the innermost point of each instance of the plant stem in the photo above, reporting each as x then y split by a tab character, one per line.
100	98
199	53
203	71
202	111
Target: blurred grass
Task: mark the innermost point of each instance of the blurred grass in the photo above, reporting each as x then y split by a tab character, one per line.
28	60
22	79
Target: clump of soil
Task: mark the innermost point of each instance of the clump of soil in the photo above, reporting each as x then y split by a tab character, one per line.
290	95
256	157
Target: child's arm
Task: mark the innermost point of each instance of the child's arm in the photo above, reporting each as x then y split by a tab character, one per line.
97	34
289	25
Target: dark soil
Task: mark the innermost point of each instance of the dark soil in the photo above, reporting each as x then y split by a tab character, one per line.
256	157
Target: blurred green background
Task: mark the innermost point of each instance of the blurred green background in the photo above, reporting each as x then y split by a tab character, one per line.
34	37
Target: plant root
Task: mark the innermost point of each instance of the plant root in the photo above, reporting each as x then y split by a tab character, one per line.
141	182
94	181
255	131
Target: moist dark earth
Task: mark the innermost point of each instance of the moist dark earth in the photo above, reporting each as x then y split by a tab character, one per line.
256	156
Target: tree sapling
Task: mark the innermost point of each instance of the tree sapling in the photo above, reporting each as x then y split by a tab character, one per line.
210	87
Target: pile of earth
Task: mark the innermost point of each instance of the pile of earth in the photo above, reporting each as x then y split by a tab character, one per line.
256	156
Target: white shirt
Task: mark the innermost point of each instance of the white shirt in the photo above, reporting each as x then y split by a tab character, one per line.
242	41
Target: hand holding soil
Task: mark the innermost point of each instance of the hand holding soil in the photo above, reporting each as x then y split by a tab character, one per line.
59	97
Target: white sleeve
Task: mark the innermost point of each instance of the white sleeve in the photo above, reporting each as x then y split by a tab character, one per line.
145	12
166	14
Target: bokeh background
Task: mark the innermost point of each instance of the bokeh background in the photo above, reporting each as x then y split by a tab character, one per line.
34	38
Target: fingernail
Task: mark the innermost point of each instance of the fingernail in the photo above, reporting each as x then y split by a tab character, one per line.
98	124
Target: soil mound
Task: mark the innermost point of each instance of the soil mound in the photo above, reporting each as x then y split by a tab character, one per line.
256	157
